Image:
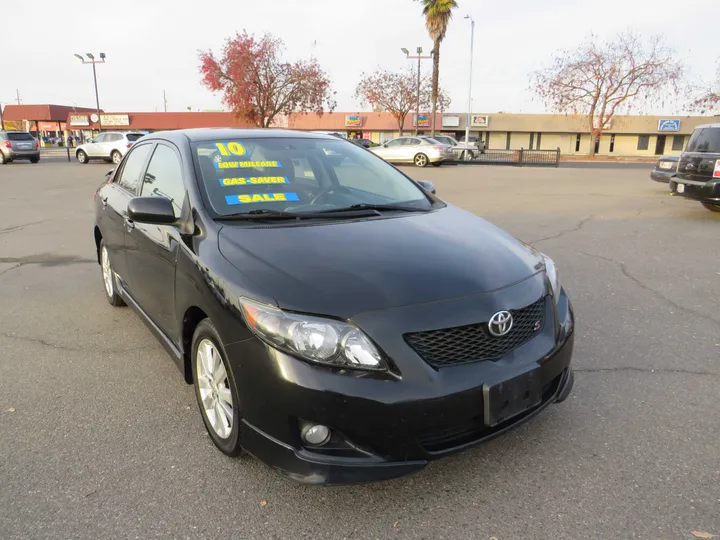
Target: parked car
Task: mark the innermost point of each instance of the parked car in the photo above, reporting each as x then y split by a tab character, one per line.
698	171
338	320
18	145
473	142
365	143
665	168
458	150
418	150
108	146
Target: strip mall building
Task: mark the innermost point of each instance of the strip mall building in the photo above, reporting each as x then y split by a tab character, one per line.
624	136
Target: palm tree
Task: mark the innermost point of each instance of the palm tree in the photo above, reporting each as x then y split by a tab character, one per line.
437	17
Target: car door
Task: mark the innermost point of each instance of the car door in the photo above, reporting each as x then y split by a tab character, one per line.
109	144
92	149
410	147
392	150
115	199
152	250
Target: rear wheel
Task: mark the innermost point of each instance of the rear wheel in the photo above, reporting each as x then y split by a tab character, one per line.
116	157
712	207
421	160
3	160
215	389
81	157
35	159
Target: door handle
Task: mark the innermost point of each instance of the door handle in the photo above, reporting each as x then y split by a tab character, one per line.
129	224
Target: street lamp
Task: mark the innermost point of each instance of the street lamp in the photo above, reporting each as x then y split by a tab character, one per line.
419	58
93	61
467	120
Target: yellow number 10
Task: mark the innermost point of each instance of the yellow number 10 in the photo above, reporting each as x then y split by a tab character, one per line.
231	148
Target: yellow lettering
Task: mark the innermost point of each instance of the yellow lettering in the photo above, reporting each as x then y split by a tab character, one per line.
221	148
257	198
280	197
244	198
236	148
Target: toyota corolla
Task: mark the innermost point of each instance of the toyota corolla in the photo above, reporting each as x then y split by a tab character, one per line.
337	319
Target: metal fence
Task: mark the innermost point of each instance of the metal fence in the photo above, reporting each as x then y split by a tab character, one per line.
522	157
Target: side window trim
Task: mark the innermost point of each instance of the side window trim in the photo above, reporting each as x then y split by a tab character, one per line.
142	171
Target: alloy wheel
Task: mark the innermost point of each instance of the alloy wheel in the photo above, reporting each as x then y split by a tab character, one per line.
214	387
116	158
107	272
421	160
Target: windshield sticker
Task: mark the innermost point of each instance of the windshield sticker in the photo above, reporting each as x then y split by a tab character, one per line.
231	148
251	180
260	197
245	164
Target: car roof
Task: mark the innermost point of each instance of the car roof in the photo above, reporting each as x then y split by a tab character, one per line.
214	134
708	126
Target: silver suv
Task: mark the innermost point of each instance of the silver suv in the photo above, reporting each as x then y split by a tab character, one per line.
108	146
18	145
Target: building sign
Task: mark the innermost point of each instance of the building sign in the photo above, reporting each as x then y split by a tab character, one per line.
479	120
669	125
353	120
51	126
114	120
451	121
422	121
80	120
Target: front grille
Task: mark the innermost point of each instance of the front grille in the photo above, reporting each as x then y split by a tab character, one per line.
474	343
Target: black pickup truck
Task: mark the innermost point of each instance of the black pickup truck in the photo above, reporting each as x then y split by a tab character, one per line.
698	171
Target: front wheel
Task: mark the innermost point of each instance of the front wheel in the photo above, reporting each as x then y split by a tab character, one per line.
116	157
712	207
421	160
109	277
81	157
215	389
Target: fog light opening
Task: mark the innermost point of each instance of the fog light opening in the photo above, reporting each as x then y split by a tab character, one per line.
315	434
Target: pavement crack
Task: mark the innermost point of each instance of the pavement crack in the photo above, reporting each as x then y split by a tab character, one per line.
11	268
21	227
624	270
576	228
46	259
60	347
646	370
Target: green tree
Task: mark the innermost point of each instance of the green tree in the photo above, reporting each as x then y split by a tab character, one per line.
437	17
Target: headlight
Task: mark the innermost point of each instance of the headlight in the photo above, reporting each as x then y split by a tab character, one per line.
552	274
323	341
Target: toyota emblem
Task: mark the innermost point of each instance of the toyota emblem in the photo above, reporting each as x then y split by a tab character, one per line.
500	323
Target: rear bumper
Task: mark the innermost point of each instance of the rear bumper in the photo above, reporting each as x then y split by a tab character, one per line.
697	191
662	176
21	154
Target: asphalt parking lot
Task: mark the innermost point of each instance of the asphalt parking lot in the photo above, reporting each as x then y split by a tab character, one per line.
101	438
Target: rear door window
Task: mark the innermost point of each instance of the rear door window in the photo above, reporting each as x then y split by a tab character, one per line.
20	137
704	140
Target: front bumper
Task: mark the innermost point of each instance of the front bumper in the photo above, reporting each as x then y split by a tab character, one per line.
696	190
384	426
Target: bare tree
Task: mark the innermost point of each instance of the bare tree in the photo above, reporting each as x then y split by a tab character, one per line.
396	93
706	97
600	79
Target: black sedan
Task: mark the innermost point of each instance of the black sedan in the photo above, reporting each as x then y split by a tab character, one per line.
665	168
338	320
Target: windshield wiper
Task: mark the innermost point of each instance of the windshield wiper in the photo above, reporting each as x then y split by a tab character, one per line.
263	213
366	206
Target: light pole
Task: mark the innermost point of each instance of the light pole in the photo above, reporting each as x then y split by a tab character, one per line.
2	120
467	120
419	58
93	61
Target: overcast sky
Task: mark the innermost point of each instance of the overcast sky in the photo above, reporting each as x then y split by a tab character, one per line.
152	45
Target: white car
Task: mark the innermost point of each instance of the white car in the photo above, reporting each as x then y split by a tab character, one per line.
108	146
418	150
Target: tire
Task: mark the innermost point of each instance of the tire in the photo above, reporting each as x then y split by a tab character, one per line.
116	157
712	207
215	389
82	157
108	276
35	160
3	160
437	164
421	160
469	153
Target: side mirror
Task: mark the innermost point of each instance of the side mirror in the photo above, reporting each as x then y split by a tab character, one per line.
427	186
151	210
385	145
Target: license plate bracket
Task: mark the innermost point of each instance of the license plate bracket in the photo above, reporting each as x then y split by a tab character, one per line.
507	398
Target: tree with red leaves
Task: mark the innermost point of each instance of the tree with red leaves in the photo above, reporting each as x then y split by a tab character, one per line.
396	93
258	85
601	79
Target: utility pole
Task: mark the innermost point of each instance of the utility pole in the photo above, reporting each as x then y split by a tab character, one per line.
2	120
165	100
17	94
467	120
419	58
93	61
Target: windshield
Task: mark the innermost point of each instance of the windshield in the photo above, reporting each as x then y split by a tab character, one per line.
704	140
299	175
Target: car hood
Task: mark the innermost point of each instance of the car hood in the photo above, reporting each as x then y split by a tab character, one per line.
349	267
